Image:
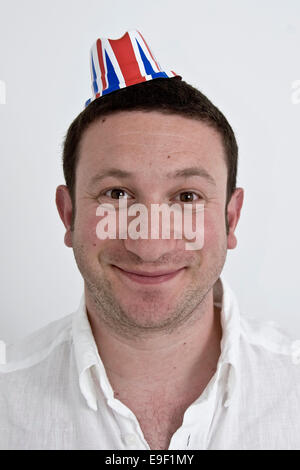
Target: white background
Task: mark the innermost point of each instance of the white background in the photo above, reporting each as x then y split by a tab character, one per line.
244	55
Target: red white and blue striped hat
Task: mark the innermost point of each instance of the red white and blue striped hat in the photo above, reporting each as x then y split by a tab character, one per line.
119	63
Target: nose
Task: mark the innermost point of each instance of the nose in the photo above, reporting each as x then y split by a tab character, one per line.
152	250
157	240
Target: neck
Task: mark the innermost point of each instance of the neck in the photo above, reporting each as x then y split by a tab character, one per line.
187	356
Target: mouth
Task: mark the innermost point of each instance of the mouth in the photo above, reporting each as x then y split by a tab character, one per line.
143	277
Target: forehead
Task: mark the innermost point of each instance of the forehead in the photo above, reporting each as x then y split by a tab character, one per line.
140	140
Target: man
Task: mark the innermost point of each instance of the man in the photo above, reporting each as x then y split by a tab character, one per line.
157	355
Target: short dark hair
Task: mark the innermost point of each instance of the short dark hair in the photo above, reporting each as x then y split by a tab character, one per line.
168	96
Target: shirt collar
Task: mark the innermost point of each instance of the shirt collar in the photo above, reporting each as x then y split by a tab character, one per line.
87	356
230	322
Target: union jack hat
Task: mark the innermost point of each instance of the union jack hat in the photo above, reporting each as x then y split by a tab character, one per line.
119	63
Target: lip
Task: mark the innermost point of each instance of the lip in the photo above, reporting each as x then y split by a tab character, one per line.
144	277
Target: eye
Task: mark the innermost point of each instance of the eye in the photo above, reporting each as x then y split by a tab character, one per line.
188	196
117	193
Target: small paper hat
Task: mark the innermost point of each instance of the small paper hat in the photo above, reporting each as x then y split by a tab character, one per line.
119	63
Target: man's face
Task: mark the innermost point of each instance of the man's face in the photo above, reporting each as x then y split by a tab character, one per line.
150	146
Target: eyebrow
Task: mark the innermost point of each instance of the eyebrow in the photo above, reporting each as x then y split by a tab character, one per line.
192	171
184	173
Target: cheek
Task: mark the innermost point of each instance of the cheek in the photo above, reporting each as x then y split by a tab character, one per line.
87	234
214	230
85	227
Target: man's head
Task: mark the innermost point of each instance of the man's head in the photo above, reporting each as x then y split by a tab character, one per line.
149	131
168	96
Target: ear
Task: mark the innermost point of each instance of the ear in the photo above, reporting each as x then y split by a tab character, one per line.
233	214
64	207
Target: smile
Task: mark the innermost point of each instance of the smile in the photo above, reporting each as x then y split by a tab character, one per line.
143	277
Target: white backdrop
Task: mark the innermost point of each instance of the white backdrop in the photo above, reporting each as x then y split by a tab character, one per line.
244	55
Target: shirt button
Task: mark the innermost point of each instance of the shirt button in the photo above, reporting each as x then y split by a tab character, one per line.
131	439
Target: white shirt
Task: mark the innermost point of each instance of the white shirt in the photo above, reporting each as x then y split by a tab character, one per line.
55	394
